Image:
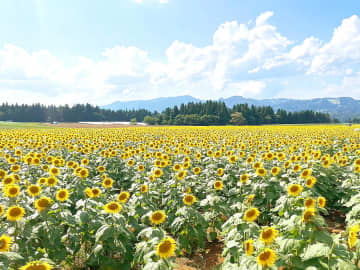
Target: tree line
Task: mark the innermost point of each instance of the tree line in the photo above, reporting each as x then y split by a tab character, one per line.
216	113
200	113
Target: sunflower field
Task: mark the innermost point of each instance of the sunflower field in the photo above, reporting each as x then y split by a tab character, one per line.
275	197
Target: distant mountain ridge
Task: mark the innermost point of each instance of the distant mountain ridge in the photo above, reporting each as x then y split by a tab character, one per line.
341	107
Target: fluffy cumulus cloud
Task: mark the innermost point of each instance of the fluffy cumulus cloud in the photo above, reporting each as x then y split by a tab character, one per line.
252	59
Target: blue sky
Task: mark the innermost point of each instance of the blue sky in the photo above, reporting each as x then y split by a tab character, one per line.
59	52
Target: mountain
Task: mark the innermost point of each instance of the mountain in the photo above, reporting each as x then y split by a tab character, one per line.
157	104
342	107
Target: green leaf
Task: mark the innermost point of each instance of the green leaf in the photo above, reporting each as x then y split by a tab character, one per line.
315	251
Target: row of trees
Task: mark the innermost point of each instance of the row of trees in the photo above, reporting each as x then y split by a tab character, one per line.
201	113
216	113
79	112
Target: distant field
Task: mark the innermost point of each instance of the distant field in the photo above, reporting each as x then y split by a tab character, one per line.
22	125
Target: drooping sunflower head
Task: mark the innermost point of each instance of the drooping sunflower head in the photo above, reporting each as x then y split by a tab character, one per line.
189	199
249	199
321	202
218	185
123	197
268	235
251	214
294	189
15	213
266	258
34	190
36	265
249	248
158	217
62	195
112	207
5	243
166	248
42	203
308	214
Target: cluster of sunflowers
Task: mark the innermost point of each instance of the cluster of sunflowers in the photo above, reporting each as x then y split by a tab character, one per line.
139	198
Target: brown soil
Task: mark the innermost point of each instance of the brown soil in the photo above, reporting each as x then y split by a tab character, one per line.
207	260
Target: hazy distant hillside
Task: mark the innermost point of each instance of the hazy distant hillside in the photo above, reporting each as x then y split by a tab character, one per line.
342	108
157	104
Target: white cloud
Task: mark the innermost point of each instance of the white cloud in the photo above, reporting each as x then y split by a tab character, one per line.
242	59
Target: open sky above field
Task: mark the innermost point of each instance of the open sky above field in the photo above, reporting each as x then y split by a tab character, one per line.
58	52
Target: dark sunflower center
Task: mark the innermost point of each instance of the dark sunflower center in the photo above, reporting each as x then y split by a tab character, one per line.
250	213
14	212
165	247
267	234
265	256
157	216
113	206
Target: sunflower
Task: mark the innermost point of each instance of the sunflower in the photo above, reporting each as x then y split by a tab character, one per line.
244	178
158	217
107	183
15	168
42	203
166	248
51	181
8	180
321	202
305	173
218	185
36	265
84	173
1	210
261	172
266	258
196	170
95	192
249	199
62	195
268	235
275	171
34	190
296	168
180	175
177	167
3	174
42	181
54	171
311	181
294	189
232	159
112	207
144	188
158	173
308	214
189	199
101	169
15	213
249	248
12	191
123	197
353	235
5	243
309	203
251	214
220	171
